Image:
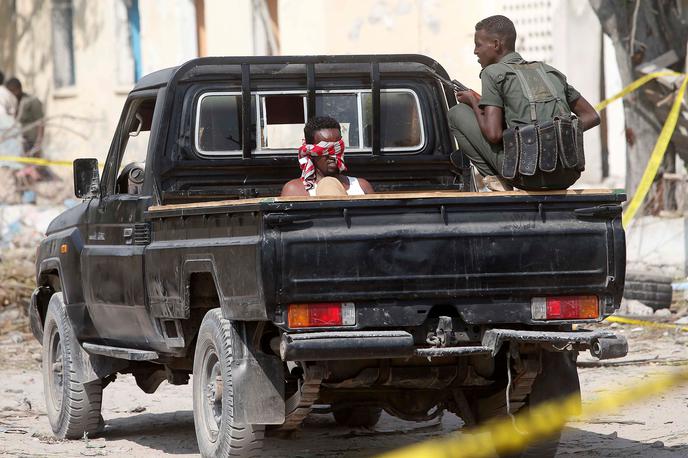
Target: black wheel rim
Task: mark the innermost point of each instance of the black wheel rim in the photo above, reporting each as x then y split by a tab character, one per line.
56	370
211	386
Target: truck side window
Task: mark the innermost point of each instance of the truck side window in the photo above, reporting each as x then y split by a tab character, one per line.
135	145
218	123
400	120
344	108
282	115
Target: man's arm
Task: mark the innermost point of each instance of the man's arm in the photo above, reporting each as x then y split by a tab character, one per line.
489	118
585	112
366	186
294	188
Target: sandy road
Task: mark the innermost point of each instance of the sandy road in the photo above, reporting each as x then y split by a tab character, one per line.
161	424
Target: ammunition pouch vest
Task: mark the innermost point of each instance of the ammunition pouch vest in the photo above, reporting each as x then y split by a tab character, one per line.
544	145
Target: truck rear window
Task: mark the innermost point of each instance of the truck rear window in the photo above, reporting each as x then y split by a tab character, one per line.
280	117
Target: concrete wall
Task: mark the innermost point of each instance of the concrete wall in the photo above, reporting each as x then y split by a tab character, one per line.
655	244
441	29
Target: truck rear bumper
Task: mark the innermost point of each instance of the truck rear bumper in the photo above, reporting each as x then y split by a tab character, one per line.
347	345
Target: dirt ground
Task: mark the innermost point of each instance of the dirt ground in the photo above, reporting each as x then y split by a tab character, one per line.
138	424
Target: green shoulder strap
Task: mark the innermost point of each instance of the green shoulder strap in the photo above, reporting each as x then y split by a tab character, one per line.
563	108
530	92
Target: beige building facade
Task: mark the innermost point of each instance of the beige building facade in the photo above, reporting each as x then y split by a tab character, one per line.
82	57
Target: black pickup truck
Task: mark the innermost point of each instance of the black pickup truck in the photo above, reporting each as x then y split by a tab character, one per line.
426	296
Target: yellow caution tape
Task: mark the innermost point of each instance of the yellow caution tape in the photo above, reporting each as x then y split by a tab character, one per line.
37	161
534	424
648	324
656	156
633	86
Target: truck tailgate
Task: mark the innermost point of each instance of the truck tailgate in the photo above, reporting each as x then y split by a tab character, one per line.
515	245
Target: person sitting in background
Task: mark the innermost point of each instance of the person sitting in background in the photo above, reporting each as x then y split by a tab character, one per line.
321	159
30	116
10	133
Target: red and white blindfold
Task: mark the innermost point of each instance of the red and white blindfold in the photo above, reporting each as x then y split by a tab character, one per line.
335	149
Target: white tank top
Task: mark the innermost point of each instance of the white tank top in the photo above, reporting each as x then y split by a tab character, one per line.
355	188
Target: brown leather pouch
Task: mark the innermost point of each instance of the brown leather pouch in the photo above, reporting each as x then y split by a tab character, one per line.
566	139
580	152
548	147
528	161
511	153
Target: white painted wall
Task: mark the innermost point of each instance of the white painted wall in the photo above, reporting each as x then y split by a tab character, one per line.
442	29
657	244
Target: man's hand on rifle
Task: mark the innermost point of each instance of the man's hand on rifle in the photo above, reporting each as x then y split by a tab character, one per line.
469	97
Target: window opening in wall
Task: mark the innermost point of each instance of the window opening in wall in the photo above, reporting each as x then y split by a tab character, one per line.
63	43
134	22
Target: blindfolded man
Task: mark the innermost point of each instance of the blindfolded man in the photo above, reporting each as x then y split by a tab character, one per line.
321	159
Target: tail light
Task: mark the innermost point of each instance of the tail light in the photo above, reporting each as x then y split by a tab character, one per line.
565	308
315	315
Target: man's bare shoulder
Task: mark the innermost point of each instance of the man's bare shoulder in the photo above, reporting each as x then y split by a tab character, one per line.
294	188
366	186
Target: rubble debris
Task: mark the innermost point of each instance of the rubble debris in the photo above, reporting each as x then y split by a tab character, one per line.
632	307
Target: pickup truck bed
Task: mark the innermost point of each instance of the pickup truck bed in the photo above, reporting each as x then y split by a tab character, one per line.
472	251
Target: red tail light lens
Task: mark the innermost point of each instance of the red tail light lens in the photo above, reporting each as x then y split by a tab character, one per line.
321	315
565	308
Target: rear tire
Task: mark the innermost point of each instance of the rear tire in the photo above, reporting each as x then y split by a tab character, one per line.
213	396
357	416
73	407
557	380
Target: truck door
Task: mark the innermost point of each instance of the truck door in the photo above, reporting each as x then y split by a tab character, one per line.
112	259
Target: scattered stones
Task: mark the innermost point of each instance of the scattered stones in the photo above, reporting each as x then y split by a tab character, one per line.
662	313
634	308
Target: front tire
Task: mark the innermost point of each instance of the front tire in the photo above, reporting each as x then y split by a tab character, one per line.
73	407
558	379
213	397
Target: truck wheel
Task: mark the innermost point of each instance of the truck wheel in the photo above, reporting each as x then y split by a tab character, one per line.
557	379
357	416
652	290
213	398
73	408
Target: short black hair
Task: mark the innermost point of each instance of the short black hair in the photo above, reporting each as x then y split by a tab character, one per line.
501	27
317	123
2	77
13	82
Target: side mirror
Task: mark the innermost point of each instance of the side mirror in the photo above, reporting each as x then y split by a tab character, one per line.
86	178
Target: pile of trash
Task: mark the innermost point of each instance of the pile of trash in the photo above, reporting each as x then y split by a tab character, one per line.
17	273
36	185
22	227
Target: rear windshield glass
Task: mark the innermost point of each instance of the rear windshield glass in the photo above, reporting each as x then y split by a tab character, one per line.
277	123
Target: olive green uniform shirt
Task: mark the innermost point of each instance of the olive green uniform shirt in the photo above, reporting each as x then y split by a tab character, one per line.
501	88
30	111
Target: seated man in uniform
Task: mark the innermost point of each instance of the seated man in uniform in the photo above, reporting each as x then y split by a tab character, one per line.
321	159
512	100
